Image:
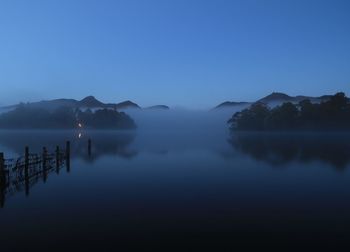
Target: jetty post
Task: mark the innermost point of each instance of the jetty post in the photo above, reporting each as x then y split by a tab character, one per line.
2	160
44	163
57	159
2	180
68	156
26	169
2	168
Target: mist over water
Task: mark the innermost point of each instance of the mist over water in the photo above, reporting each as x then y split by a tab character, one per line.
180	176
94	155
180	120
180	129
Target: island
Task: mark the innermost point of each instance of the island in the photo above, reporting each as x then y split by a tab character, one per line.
332	114
29	117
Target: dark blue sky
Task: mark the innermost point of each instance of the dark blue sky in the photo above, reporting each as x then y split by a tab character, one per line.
193	53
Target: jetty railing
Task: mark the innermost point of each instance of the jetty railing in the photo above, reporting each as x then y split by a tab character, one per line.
22	173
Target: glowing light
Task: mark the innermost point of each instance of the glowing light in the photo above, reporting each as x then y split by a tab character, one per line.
79	136
80	125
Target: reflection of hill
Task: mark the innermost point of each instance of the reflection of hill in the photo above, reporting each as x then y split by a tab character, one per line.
103	143
277	149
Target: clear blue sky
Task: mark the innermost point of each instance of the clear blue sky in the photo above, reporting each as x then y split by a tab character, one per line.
193	53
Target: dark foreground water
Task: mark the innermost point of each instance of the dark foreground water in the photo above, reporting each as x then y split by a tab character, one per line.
182	191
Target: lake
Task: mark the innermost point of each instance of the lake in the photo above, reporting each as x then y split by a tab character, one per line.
181	190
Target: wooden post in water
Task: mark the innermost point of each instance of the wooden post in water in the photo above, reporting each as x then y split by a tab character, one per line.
26	169
44	160
2	167
68	156
2	170
2	180
57	159
89	147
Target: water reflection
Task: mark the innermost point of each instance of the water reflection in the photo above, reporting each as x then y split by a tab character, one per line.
92	145
17	176
22	173
178	187
102	143
278	149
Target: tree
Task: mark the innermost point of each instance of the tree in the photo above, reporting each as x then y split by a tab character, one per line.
282	117
252	118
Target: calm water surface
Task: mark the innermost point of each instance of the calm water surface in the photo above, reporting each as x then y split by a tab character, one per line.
182	190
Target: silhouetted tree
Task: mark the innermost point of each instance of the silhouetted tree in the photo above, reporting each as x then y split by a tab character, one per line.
251	119
106	118
282	117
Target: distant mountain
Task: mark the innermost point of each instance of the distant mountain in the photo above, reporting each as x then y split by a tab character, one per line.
87	102
275	99
275	96
52	104
127	105
229	104
158	107
90	102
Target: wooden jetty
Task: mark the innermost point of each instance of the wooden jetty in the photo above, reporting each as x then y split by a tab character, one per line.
22	173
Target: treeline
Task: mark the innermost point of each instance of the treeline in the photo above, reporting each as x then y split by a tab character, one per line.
328	115
27	117
105	118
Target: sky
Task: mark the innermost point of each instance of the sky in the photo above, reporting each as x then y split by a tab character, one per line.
188	53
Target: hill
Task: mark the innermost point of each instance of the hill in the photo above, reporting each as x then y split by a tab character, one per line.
158	107
275	99
88	102
127	105
229	104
